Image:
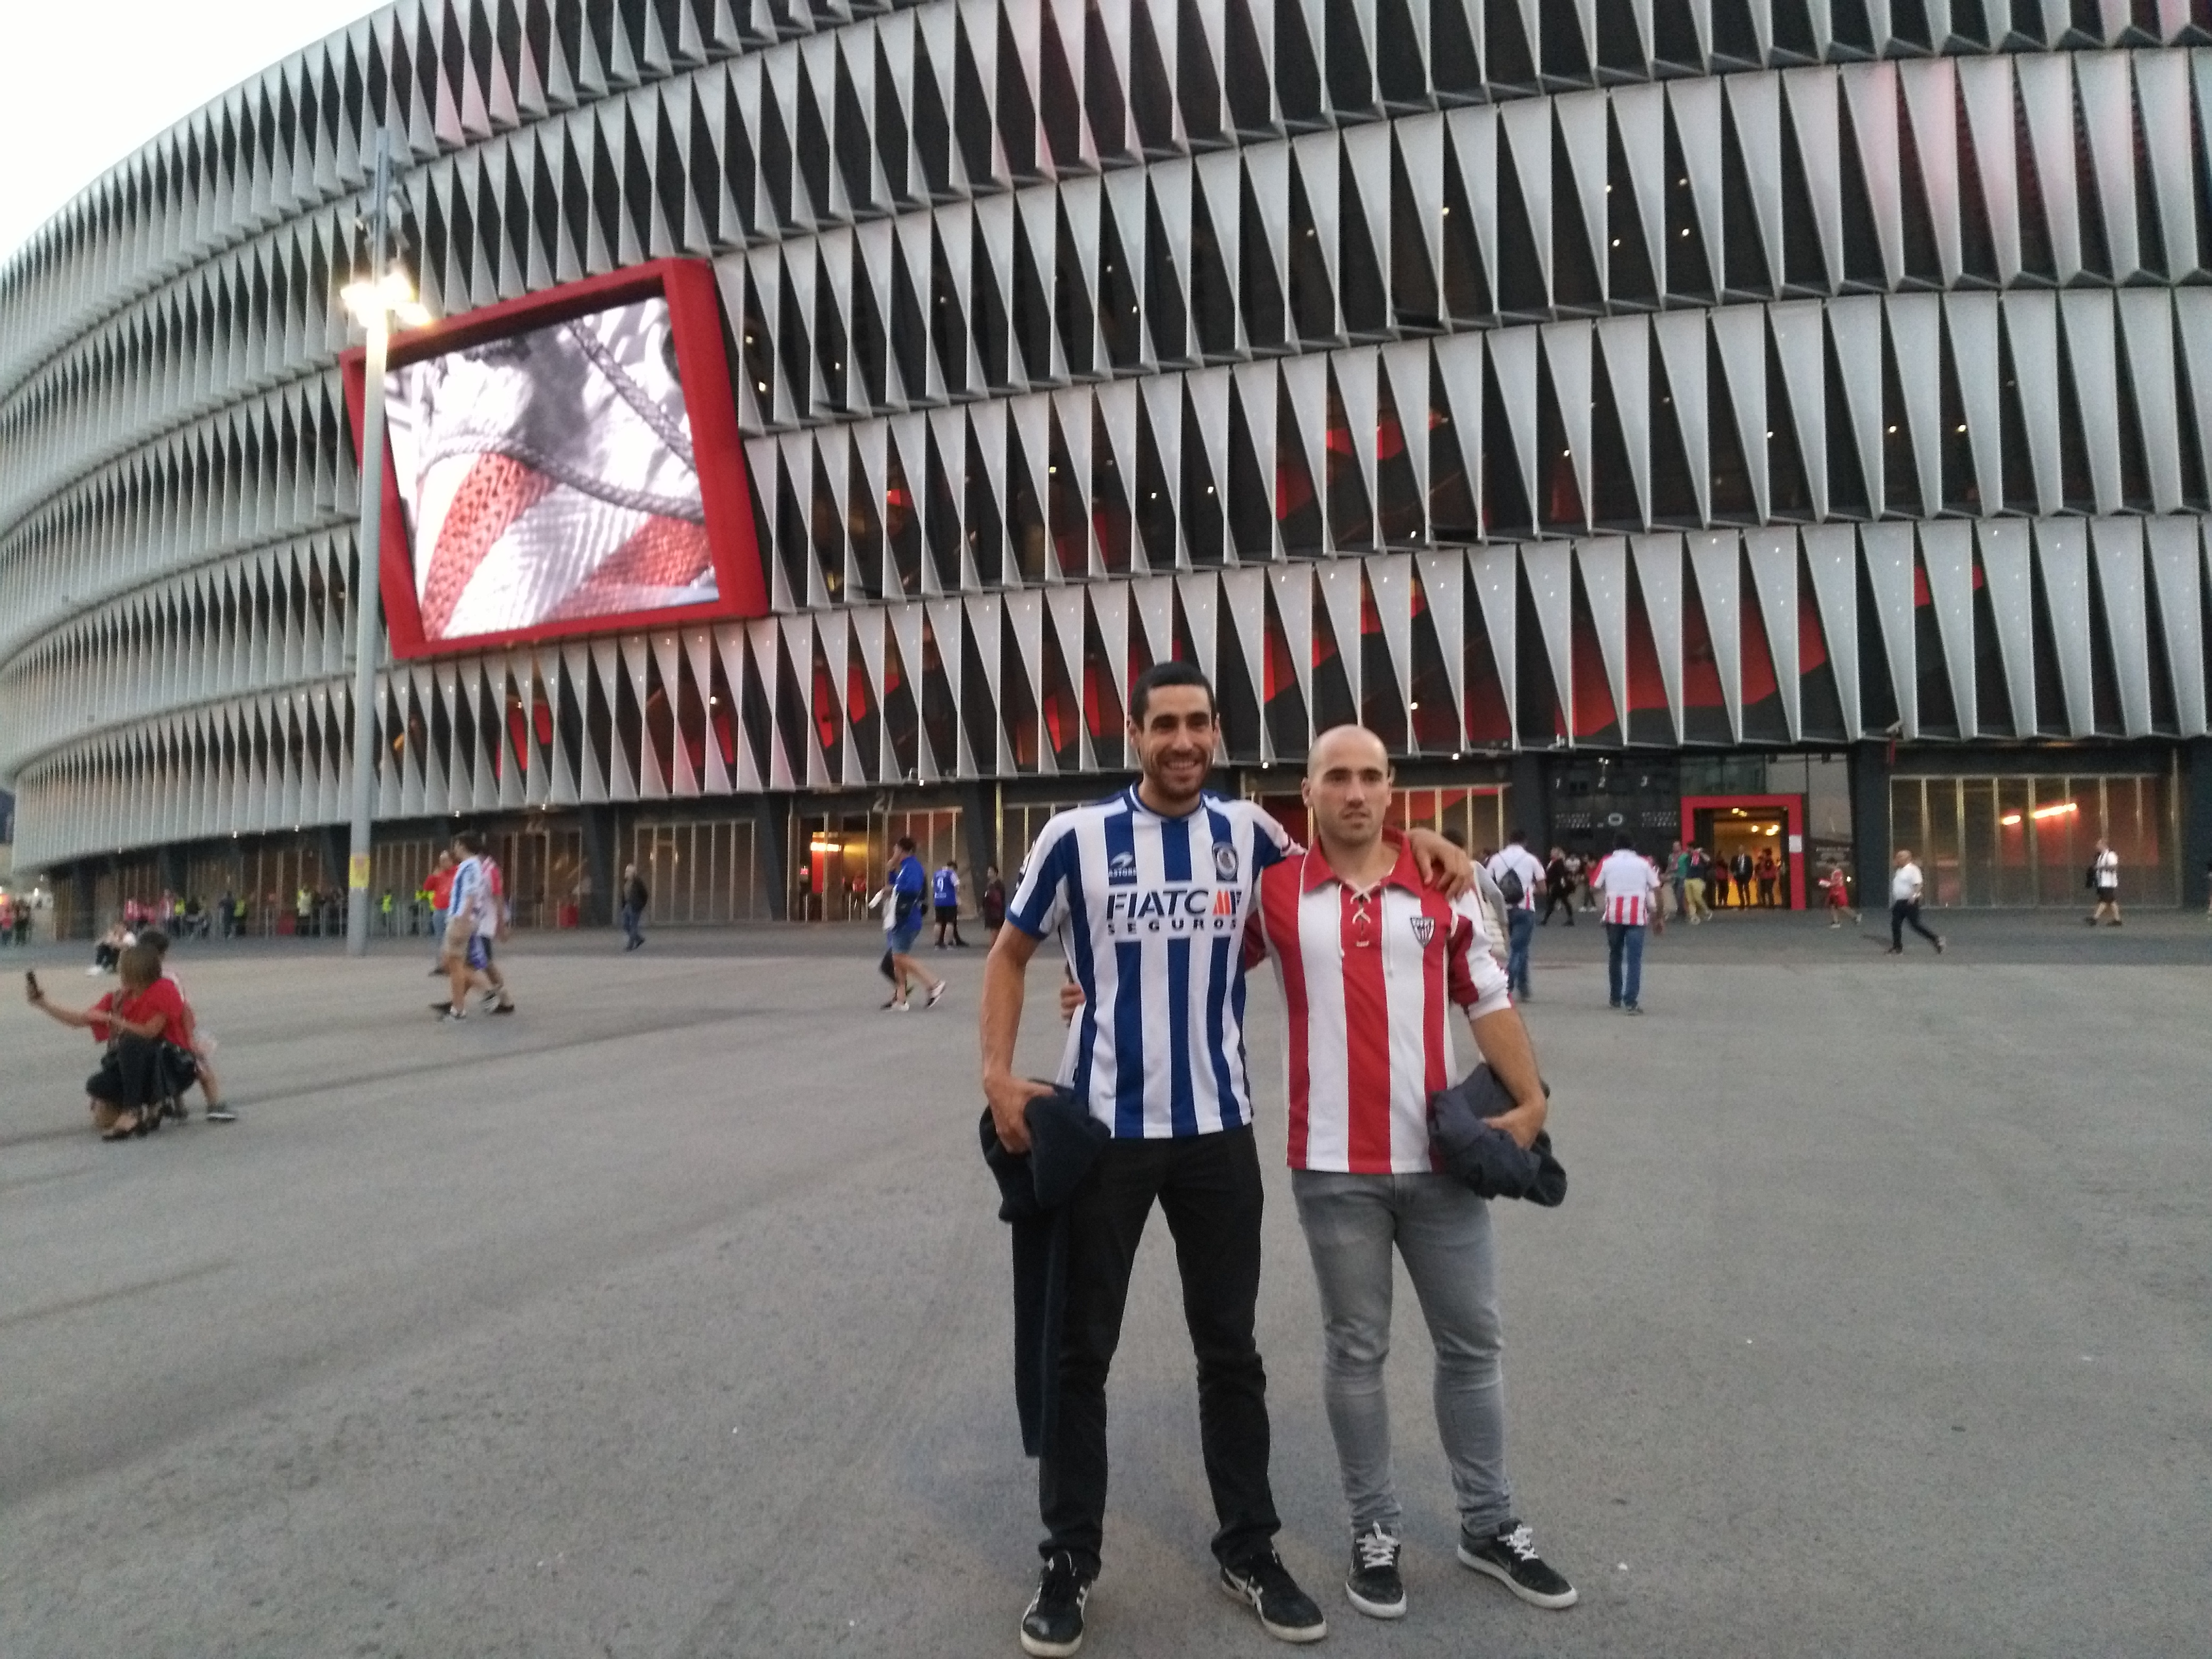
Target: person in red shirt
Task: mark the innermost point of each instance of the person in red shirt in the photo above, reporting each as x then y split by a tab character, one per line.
1369	962
1838	887
143	1016
439	884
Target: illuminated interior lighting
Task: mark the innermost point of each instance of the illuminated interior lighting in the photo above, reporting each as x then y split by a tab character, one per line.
2063	806
2009	817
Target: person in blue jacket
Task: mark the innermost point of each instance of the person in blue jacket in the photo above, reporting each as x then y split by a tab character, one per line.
944	897
909	892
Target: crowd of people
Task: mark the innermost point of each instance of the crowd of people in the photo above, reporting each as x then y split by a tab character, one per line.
18	912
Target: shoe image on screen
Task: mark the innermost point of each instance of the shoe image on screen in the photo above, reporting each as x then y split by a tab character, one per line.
548	477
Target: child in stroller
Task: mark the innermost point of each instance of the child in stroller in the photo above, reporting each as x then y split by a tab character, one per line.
142	1023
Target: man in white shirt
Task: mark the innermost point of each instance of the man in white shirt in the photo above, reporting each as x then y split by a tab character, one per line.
1627	885
1904	883
2105	874
1527	880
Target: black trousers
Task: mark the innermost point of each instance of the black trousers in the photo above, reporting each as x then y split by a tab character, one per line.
1209	1188
1904	913
1558	899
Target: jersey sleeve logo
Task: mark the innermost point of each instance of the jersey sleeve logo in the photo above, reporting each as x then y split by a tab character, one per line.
1224	861
1425	929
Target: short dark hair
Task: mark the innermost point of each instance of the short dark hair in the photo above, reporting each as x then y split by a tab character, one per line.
1518	837
470	840
155	940
903	844
1622	841
1161	675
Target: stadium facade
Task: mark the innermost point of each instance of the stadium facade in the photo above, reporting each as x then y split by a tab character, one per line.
1785	417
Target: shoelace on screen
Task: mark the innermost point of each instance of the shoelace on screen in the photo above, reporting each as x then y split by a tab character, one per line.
1376	1548
1521	1543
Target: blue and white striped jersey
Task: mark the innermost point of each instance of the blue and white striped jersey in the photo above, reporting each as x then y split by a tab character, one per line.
1150	912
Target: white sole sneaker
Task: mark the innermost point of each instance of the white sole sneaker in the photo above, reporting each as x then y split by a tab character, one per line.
1280	1632
1376	1609
1468	1558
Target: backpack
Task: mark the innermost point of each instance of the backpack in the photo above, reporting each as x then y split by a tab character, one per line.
1509	886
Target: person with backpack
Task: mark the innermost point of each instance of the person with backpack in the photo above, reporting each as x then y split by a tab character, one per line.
1519	878
2104	881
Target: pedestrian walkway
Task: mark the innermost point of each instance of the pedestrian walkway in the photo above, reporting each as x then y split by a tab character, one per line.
669	1317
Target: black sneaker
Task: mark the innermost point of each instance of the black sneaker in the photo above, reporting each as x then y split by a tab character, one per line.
1373	1584
1510	1557
1286	1612
1052	1626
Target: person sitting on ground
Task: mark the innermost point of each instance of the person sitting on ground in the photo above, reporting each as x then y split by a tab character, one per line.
109	950
137	1021
191	1037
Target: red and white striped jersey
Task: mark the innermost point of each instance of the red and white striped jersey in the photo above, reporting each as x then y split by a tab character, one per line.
1367	981
1626	881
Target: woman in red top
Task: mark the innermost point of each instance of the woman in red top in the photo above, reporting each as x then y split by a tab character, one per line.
140	1017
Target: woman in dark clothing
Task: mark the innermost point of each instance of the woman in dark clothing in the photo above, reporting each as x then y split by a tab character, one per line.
1559	888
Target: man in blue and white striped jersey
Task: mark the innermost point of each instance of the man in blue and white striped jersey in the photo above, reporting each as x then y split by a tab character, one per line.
1148	892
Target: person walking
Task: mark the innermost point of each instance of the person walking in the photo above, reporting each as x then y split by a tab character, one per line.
2105	878
1360	944
1838	887
1769	873
1519	876
1559	888
945	902
993	902
439	884
1904	885
906	890
1628	885
1744	871
1678	873
1148	893
636	896
1693	886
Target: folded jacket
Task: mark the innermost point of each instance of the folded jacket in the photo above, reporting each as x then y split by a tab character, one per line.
1465	1144
1034	1187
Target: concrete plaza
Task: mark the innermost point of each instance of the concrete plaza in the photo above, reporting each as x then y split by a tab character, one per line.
670	1317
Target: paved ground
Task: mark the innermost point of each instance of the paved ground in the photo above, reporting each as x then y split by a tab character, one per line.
670	1317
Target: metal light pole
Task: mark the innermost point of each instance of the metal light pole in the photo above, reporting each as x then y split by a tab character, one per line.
376	318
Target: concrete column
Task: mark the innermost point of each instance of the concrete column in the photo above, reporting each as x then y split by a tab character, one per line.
1528	807
85	921
2196	819
1870	848
771	849
978	815
602	867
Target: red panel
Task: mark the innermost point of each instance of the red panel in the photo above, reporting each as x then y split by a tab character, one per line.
696	318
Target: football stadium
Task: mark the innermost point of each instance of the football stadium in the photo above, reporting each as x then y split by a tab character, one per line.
1782	423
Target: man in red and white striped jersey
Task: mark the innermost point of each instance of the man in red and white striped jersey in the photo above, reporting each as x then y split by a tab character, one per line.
1370	960
1627	884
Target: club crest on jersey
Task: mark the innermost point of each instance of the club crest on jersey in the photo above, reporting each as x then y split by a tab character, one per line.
1425	929
1121	870
1224	861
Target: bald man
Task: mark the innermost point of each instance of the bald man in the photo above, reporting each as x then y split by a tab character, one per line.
1369	960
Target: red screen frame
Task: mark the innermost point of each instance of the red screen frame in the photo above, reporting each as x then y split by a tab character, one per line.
726	489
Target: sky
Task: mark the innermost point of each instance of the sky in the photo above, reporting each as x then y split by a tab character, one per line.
91	80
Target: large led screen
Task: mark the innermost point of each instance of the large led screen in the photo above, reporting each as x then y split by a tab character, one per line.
565	465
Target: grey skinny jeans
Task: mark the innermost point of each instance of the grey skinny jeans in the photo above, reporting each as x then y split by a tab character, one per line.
1443	1230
